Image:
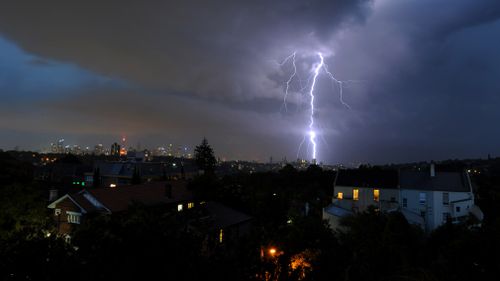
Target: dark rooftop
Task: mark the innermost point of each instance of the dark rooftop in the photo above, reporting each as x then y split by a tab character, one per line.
224	216
443	181
368	178
121	197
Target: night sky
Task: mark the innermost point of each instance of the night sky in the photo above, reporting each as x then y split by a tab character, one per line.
427	76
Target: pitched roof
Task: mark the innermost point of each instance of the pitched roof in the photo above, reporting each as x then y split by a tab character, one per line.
367	178
83	202
70	198
442	181
337	211
224	216
120	198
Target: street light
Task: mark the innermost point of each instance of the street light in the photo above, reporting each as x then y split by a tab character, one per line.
272	251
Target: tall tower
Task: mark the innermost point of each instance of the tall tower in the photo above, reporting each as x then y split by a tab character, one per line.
115	149
123	150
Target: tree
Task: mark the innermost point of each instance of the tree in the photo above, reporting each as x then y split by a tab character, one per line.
136	176
97	178
204	156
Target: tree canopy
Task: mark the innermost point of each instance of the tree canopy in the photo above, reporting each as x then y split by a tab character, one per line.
204	156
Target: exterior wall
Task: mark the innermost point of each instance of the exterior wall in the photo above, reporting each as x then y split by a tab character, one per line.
434	208
426	210
366	199
333	221
61	220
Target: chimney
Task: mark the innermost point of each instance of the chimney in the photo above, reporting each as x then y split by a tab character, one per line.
433	170
168	190
53	194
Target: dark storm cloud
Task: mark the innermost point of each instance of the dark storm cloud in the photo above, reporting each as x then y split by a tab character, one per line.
433	89
428	73
220	49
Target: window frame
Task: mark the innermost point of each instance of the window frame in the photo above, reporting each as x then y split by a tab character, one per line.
446	195
340	195
422	198
73	217
376	195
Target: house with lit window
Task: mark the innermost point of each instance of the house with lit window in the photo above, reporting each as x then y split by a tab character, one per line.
222	226
71	209
357	190
431	198
425	198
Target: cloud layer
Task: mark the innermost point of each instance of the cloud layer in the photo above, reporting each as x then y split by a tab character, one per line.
183	70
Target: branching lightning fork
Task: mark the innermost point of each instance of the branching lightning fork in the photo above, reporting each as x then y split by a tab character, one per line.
317	67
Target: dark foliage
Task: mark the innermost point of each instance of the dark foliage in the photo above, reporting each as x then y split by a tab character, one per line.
149	243
204	157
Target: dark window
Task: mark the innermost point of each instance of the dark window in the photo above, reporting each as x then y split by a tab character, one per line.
458	209
405	202
446	198
446	217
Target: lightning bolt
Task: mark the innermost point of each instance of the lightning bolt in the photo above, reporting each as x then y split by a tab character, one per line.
312	133
318	67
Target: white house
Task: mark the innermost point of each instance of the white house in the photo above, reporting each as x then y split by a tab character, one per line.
356	190
426	198
437	197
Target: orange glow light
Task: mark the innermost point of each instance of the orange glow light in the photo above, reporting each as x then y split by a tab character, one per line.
272	251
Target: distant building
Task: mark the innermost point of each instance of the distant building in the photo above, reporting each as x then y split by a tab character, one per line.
425	198
115	149
99	149
121	173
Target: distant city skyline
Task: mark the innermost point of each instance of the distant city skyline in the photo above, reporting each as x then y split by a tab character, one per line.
166	72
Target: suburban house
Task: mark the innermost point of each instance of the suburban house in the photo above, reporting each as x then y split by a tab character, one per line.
70	210
426	198
356	190
223	224
437	197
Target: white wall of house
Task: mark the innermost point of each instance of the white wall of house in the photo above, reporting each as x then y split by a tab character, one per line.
365	197
435	207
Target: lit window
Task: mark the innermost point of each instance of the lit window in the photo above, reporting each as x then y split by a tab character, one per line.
340	195
355	194
179	207
221	235
446	198
376	195
190	205
422	198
